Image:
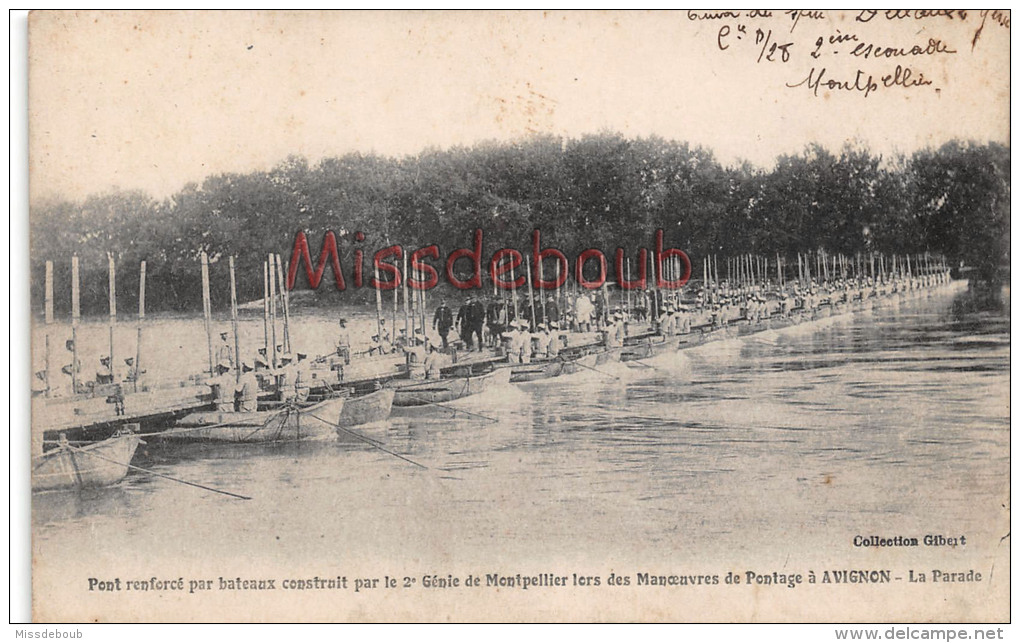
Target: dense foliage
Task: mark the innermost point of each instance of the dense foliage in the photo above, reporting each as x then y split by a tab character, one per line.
600	191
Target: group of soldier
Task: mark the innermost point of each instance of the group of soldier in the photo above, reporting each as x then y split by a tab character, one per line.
541	331
522	333
236	386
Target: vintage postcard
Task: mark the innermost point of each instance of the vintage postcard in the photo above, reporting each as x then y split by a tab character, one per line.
696	316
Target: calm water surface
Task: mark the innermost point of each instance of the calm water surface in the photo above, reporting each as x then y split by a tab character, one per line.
888	422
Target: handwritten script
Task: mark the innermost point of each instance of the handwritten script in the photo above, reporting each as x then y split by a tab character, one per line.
852	53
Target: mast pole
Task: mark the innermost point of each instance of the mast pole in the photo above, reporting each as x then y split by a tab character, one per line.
265	307
272	305
233	322
285	298
113	306
141	320
207	308
75	317
48	312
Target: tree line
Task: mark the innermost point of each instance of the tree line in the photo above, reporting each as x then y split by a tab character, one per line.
598	191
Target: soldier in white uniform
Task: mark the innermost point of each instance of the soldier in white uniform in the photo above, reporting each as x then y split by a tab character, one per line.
223	389
225	354
248	389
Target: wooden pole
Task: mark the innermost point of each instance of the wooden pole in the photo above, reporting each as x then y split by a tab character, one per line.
653	312
141	320
75	317
265	306
424	327
628	289
541	299
207	309
513	290
233	322
378	306
48	314
531	295
407	313
285	297
396	295
113	306
272	307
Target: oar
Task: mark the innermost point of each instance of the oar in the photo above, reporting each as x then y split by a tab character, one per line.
381	448
366	440
455	409
158	475
597	370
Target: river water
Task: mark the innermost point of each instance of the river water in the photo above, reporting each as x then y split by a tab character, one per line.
769	452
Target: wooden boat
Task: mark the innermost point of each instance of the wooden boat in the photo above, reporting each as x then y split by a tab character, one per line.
604	354
279	425
100	464
552	367
370	407
579	364
690	340
446	389
646	347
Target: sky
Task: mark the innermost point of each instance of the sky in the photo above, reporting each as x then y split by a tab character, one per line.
154	100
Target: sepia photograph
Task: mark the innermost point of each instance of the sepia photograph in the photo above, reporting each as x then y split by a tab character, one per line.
520	317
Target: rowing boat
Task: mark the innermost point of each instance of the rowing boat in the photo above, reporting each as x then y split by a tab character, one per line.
546	368
289	423
100	464
646	347
370	407
447	389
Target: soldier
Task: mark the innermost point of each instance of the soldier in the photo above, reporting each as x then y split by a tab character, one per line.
381	344
132	371
435	362
222	385
614	331
556	340
583	309
552	311
248	389
443	321
476	318
104	374
343	342
464	322
542	338
495	317
415	355
225	354
525	341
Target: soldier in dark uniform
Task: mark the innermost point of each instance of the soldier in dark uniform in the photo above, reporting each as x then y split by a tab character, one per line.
443	321
476	318
496	320
552	311
464	323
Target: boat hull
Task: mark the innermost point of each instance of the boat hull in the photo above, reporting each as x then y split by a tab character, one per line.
283	425
650	347
549	368
97	465
447	390
536	370
371	407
